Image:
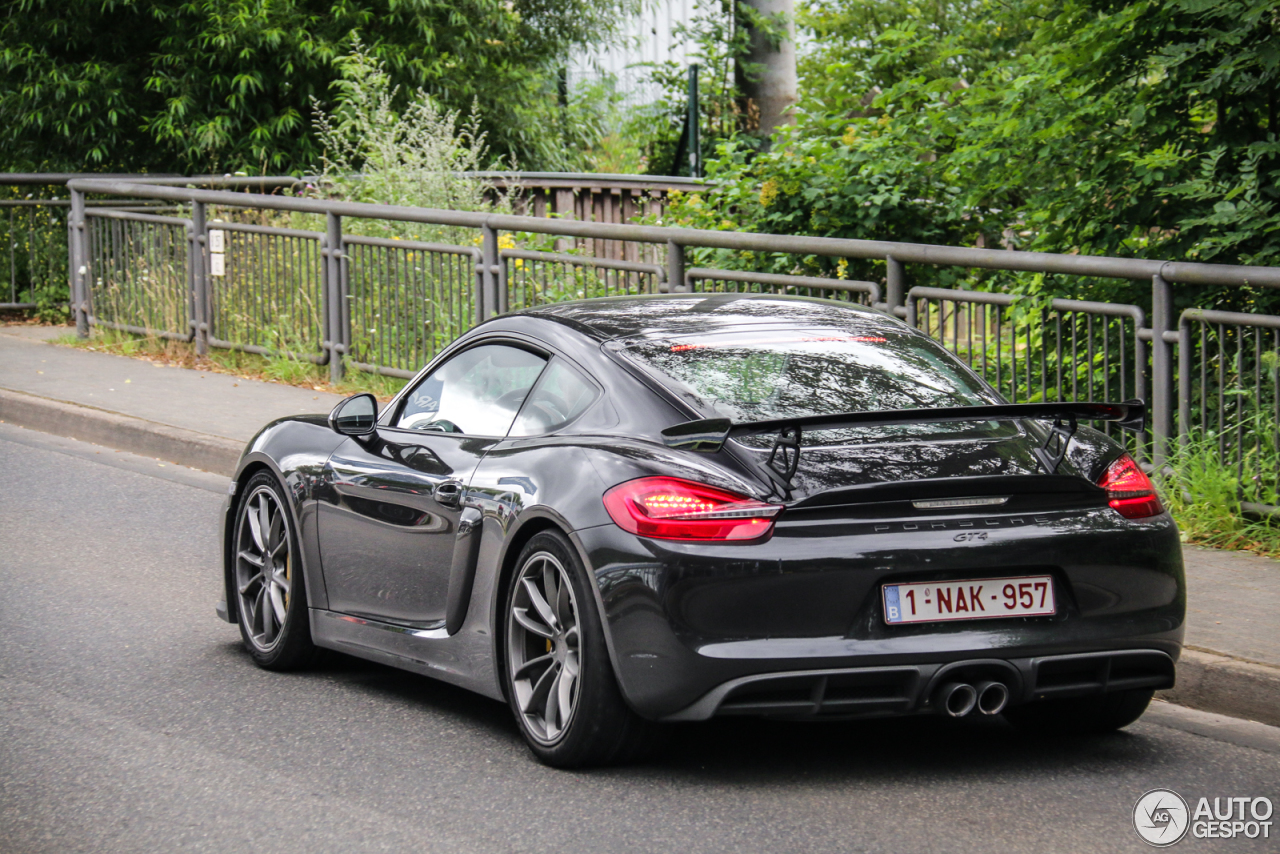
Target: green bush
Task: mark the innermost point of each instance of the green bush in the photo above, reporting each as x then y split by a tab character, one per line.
1136	129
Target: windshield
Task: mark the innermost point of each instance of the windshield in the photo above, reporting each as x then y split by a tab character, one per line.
756	376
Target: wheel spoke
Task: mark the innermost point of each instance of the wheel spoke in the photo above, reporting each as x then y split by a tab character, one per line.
267	611
250	557
551	587
526	669
564	694
274	538
244	588
264	521
255	526
259	611
277	604
250	608
281	546
538	696
280	580
527	623
539	603
552	716
564	604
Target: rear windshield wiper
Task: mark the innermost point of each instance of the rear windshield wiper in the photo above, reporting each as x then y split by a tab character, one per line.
709	434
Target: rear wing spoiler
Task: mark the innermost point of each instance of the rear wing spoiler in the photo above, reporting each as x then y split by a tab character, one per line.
708	435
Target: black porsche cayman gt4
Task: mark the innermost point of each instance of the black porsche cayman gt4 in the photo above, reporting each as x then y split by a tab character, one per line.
615	514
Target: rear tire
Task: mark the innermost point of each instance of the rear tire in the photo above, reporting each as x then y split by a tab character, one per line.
558	677
271	596
1080	715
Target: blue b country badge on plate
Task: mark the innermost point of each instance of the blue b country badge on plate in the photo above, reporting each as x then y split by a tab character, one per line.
892	611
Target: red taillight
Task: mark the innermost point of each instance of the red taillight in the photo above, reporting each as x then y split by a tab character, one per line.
669	508
1129	490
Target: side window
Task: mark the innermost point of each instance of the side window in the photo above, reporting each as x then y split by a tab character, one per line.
477	392
561	395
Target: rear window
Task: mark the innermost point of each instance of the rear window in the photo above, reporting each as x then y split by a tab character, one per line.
758	376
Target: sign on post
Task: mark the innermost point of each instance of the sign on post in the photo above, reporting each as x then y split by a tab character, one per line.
217	248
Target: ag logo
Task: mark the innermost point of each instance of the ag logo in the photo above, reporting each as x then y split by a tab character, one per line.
1161	817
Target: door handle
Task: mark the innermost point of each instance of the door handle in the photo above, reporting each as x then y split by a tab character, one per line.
448	493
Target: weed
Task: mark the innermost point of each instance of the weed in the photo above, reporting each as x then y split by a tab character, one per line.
1204	492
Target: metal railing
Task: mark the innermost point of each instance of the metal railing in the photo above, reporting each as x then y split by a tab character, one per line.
1229	397
388	304
33	214
1064	350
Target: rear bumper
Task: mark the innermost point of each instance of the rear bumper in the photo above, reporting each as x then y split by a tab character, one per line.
690	626
912	689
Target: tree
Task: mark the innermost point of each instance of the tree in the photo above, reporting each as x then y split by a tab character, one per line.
1115	127
216	85
766	73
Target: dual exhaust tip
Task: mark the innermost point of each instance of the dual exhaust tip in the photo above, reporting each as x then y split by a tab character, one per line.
958	699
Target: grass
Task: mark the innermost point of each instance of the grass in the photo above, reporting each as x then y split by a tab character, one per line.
280	369
1204	496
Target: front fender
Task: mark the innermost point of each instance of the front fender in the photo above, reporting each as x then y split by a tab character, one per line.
295	450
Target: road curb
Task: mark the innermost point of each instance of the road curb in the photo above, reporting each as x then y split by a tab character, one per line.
123	432
1228	686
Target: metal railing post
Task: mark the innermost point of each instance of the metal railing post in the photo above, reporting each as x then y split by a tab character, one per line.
79	263
692	120
200	277
491	262
895	286
675	268
1184	382
1162	392
337	307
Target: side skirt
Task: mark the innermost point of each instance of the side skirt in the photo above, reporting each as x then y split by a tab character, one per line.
464	659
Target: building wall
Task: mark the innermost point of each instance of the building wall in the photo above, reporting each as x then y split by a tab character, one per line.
649	37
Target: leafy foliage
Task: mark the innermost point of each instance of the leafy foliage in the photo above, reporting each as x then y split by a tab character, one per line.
415	156
1098	126
216	85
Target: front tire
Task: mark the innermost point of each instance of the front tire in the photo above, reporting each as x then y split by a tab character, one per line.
558	678
1080	715
271	597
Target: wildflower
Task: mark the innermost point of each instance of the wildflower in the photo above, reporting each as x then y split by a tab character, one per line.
769	192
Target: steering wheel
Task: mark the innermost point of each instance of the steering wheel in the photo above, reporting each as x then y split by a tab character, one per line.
444	425
543	415
512	399
553	402
548	409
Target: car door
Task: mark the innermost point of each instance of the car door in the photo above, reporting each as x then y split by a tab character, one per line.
388	523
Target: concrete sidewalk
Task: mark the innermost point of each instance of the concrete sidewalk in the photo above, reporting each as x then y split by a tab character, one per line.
194	418
203	420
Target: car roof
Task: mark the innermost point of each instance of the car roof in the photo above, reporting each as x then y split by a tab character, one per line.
662	316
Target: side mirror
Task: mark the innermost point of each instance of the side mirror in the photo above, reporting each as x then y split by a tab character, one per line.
355	416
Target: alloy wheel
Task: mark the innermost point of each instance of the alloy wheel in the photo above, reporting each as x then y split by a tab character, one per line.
544	651
264	567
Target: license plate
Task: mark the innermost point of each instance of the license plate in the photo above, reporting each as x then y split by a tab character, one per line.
977	599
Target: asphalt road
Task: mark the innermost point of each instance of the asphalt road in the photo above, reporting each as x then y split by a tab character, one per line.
131	720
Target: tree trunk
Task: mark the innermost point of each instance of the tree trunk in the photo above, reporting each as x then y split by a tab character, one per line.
766	76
